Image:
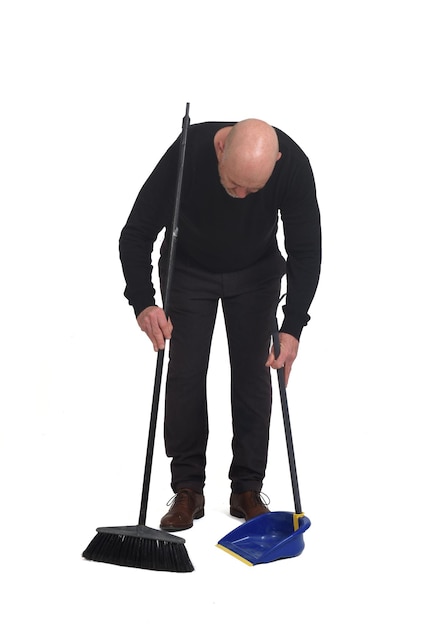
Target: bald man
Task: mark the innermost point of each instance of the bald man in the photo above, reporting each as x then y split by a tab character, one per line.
240	180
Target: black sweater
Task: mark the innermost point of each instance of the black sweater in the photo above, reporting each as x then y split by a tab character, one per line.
224	234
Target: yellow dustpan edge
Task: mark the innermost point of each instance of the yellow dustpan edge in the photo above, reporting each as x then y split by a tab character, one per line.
237	556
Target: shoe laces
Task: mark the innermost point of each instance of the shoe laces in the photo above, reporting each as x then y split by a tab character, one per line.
262	498
180	496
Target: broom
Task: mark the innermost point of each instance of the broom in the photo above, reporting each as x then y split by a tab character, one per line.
141	546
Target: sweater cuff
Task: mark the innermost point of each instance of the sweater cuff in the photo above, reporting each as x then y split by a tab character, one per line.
294	325
139	304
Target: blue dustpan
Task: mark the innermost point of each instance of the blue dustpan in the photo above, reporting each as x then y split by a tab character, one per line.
267	538
275	535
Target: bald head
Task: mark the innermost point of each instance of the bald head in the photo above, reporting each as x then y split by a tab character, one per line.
247	153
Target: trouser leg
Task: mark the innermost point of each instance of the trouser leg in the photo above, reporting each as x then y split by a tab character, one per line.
193	308
249	319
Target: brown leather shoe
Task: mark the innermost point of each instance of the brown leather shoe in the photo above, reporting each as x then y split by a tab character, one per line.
187	505
247	504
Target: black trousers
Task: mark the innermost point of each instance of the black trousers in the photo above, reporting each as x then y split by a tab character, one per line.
249	299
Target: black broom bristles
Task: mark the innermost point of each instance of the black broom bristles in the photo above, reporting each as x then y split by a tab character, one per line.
139	546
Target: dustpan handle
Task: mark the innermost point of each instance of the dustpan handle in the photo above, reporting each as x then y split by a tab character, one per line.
161	353
287	426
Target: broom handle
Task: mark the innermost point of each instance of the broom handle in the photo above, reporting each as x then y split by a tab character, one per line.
161	353
287	427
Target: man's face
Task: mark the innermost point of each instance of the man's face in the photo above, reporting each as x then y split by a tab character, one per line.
235	184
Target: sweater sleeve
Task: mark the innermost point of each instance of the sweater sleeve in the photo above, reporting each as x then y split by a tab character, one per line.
152	211
302	235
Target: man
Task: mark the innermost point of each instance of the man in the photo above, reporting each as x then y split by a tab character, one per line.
238	179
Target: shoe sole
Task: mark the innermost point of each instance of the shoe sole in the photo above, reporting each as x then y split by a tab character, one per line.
197	515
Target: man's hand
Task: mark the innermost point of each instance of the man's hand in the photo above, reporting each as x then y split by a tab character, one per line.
289	346
157	327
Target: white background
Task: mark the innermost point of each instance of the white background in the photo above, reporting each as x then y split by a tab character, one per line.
92	94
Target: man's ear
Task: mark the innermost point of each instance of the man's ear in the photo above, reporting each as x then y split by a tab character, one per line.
279	156
220	149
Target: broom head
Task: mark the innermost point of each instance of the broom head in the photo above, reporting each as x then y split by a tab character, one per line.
139	546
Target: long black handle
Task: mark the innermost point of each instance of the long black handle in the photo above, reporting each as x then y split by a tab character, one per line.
161	353
181	159
287	427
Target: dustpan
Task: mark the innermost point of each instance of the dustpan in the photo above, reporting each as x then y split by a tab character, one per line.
267	538
275	535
